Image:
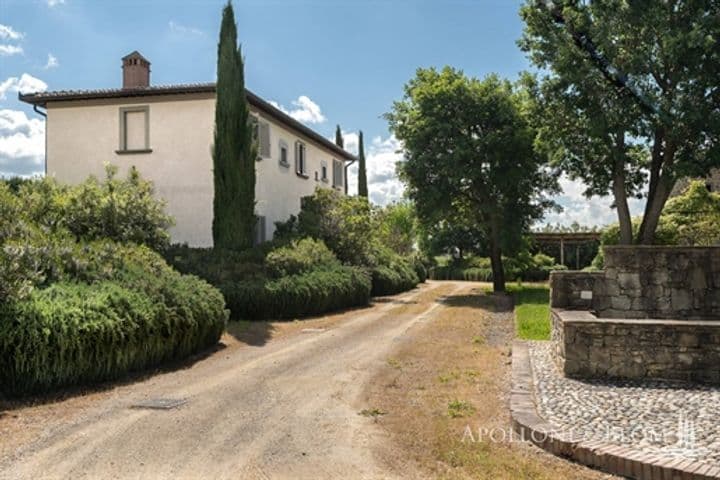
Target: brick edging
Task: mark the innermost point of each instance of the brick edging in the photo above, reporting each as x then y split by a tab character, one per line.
614	459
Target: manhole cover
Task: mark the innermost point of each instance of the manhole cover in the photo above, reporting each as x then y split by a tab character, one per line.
160	403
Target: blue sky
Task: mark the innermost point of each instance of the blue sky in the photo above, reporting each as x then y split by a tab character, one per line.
323	61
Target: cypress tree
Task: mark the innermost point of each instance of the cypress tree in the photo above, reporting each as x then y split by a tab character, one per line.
233	148
339	141
362	172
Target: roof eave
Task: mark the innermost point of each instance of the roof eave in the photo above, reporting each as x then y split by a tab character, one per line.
41	99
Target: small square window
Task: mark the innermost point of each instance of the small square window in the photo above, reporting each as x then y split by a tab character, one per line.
284	161
324	170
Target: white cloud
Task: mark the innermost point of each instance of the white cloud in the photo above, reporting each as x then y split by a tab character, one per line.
52	3
593	211
52	62
9	33
22	144
184	30
305	110
8	50
25	84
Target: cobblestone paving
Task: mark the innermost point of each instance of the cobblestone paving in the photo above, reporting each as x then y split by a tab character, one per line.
668	418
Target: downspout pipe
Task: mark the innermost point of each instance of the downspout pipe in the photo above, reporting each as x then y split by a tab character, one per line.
44	115
347	165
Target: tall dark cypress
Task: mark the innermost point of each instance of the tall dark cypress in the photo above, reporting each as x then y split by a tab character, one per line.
362	171
233	148
339	141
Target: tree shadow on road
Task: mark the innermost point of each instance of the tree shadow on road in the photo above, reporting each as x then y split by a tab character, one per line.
491	302
255	334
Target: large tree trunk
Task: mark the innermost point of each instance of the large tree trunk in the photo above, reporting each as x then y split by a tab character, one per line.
659	189
496	259
620	192
655	205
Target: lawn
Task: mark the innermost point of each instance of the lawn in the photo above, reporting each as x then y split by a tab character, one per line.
532	311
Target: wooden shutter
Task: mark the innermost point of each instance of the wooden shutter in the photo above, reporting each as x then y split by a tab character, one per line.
264	140
337	173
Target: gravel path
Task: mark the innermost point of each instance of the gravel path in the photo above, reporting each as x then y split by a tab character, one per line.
669	418
288	409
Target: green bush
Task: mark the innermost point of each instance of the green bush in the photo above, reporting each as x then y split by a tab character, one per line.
79	301
309	293
120	210
217	266
298	257
477	269
393	276
420	268
72	333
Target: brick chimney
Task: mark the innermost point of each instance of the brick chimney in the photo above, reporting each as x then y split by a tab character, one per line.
136	71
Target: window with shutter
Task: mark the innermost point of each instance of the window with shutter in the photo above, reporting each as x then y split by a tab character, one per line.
337	173
300	159
284	160
264	140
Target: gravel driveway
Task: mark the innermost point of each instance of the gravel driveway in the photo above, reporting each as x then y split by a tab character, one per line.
286	409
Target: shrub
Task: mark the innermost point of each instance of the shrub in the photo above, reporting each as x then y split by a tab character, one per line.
76	304
217	266
420	268
120	210
477	269
396	277
298	257
345	224
72	333
308	293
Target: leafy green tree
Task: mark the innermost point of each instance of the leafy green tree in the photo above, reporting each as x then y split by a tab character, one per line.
631	88
362	169
234	151
397	227
694	216
469	152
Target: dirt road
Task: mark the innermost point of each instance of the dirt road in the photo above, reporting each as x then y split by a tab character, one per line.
288	409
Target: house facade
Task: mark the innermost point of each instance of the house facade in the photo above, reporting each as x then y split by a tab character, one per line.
166	132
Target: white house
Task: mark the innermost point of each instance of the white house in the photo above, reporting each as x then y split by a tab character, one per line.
167	133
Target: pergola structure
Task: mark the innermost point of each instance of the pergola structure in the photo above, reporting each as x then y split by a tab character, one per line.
563	238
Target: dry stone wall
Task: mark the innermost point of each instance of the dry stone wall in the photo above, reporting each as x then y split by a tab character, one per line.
653	312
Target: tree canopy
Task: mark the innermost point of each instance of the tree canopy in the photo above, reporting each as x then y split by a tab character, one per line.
630	102
468	149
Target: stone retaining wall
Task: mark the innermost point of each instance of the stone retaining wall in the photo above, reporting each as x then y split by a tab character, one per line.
590	347
680	283
653	312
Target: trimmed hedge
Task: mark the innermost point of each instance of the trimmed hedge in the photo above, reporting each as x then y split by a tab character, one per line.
477	269
309	293
398	277
71	333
